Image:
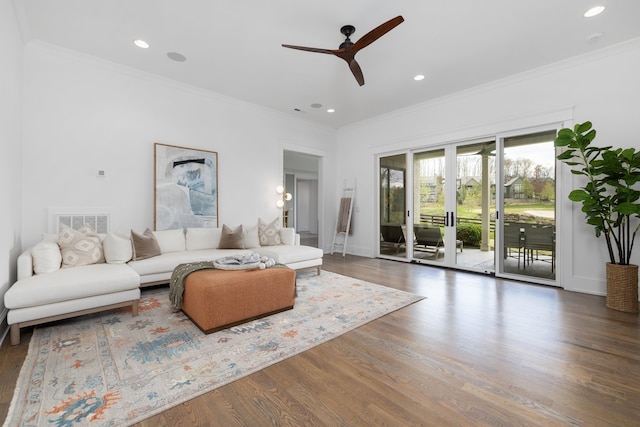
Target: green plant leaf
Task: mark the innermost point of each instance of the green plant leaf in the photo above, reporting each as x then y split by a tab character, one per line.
590	136
565	155
582	127
627	154
578	195
627	208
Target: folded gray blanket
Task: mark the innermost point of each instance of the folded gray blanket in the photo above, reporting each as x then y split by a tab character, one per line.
176	285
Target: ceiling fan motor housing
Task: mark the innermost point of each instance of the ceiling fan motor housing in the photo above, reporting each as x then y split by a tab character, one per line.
347	30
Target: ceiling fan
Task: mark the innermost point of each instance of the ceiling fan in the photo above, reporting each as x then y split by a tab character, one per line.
347	49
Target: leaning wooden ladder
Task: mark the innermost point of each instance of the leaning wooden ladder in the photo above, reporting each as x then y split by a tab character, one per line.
345	215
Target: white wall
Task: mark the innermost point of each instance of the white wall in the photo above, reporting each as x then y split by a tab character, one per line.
602	87
84	114
11	47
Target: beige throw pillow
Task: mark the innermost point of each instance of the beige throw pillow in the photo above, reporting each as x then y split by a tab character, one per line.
231	238
269	233
79	247
144	245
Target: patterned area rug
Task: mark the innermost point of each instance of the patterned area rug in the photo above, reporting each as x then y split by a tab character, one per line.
112	369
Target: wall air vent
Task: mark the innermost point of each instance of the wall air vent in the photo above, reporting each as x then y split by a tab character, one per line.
98	219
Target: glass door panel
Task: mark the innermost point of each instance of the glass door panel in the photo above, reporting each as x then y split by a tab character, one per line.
476	205
528	206
393	205
429	211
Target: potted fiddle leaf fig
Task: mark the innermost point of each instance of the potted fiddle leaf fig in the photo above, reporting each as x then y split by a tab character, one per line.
611	203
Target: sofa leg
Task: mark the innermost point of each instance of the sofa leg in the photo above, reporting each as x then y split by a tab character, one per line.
15	334
134	308
318	268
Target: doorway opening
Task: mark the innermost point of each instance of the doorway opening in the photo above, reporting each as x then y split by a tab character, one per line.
301	176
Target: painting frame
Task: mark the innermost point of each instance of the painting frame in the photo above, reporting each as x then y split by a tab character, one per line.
185	187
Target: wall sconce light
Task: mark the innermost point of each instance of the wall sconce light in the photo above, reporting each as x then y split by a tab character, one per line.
285	196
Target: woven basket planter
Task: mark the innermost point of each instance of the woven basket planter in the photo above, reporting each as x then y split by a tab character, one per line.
622	287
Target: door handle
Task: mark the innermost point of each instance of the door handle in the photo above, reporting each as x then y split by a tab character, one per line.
449	222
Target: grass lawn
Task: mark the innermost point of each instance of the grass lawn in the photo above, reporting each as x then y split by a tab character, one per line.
466	211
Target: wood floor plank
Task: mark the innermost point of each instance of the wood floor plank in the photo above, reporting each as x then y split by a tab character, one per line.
477	351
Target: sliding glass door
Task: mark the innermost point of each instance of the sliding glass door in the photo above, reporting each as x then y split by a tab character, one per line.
476	205
393	206
528	209
486	205
431	219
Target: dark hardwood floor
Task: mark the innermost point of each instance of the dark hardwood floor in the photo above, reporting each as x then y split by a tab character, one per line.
476	351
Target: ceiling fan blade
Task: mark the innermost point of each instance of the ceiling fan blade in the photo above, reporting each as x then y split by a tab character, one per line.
312	49
357	71
376	33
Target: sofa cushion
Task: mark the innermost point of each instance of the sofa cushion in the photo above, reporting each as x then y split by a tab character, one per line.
79	247
231	238
167	262
269	233
71	283
251	238
46	257
287	254
117	248
144	245
203	238
170	240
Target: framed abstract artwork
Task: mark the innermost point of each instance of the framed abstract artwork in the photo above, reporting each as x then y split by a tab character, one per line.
186	187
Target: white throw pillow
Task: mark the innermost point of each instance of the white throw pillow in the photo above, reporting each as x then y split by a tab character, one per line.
170	240
46	257
251	237
288	236
203	238
117	248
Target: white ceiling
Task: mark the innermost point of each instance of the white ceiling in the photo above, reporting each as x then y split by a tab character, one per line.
233	47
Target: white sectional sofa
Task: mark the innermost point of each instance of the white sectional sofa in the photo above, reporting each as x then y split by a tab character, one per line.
59	293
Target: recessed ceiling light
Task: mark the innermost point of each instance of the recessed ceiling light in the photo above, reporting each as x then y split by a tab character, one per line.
316	105
418	77
141	44
331	110
593	37
597	10
178	57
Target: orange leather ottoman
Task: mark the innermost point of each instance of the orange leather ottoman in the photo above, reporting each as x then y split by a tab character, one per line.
219	299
